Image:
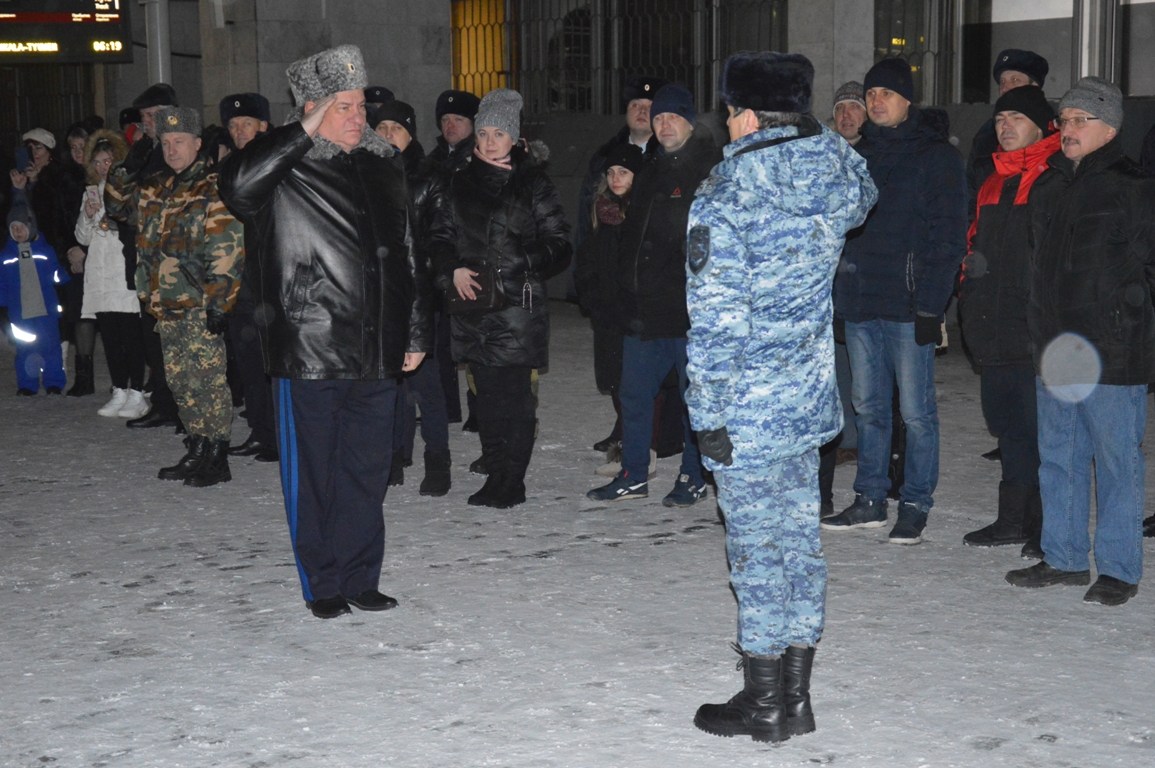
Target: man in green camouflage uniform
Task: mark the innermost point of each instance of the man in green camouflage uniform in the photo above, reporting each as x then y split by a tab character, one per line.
189	258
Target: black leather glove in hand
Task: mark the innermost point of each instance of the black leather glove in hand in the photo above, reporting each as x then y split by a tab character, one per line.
138	155
216	322
927	330
715	443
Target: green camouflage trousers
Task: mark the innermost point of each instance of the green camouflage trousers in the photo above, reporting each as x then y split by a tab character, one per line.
194	364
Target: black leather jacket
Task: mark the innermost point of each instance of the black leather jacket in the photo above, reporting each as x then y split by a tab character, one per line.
344	294
514	222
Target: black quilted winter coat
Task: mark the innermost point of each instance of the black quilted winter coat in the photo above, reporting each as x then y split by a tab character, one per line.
344	293
513	221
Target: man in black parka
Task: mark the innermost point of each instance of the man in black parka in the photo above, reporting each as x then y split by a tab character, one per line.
348	304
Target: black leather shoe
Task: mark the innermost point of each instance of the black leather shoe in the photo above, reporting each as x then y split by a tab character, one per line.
1045	575
1107	590
268	454
23	392
152	419
328	607
54	391
371	600
180	428
250	447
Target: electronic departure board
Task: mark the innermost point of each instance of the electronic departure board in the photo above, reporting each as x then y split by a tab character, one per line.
65	31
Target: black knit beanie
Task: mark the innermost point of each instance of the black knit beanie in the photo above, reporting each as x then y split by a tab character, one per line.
1030	101
893	75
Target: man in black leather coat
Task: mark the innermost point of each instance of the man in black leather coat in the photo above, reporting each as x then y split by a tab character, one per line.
346	301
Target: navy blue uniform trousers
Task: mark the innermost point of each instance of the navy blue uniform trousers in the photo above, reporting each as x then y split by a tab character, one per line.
335	456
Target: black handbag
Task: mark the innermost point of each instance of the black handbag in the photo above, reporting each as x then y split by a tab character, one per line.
490	297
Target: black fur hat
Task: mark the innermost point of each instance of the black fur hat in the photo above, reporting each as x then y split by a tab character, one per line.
156	95
461	103
252	105
767	81
378	94
1029	63
640	88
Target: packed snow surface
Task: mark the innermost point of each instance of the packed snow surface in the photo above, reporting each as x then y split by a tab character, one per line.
149	624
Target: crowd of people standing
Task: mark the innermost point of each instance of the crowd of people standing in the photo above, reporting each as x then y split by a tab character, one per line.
754	300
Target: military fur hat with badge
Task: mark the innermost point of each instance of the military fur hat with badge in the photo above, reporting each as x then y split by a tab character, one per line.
252	105
319	76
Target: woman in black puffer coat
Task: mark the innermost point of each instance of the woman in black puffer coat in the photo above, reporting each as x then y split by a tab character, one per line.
501	213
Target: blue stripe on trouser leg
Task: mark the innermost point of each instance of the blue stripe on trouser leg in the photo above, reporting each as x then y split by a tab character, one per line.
287	437
777	567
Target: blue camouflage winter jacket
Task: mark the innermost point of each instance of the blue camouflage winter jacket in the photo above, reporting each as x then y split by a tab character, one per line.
765	234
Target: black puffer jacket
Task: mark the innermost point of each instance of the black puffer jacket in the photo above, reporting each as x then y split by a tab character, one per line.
596	276
652	280
904	259
1094	261
513	221
452	160
338	268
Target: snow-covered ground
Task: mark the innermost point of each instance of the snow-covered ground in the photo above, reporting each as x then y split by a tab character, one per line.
149	624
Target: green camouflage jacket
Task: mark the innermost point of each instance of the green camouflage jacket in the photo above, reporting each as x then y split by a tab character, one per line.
190	249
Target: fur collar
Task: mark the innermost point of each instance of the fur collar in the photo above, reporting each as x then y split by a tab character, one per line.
323	149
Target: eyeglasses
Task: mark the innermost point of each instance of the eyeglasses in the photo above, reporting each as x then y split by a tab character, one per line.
1074	122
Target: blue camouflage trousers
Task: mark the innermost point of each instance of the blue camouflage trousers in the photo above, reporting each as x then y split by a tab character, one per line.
777	567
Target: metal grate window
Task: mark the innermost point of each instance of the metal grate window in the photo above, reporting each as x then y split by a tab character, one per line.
574	55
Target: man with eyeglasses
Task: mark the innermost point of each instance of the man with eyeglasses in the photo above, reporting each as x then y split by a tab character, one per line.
1092	328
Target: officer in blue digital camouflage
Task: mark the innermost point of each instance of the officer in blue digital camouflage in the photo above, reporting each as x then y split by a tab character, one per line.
765	234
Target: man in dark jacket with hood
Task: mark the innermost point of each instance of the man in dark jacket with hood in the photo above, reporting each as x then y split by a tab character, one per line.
652	286
1092	328
993	310
348	313
891	289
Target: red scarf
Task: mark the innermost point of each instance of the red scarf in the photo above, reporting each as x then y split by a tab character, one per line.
610	211
1029	162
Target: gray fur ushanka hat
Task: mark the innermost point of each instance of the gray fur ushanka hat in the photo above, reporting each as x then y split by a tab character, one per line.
177	120
328	72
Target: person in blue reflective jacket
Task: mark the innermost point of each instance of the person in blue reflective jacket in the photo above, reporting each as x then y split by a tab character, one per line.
29	272
765	234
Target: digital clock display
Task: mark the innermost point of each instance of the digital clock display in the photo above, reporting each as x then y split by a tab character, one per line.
65	31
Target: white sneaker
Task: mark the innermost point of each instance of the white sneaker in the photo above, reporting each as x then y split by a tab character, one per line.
113	406
135	406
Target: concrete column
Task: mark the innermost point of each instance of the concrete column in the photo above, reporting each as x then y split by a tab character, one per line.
157	39
838	38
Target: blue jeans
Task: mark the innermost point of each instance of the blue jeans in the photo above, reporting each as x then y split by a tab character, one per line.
777	568
645	365
882	353
1107	426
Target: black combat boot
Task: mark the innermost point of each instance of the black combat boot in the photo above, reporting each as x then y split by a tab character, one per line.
198	446
757	711
437	480
83	383
214	467
1008	528
796	664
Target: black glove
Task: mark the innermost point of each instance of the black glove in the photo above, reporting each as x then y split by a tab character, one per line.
715	443
216	322
138	155
840	330
927	330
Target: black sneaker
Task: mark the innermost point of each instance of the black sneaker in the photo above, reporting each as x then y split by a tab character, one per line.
863	513
1044	575
371	600
1108	590
908	528
328	607
620	488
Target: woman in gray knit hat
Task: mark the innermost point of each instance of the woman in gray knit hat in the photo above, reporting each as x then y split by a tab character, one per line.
500	234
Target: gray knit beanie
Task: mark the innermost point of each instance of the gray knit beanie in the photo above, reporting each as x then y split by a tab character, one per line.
850	91
500	108
1097	97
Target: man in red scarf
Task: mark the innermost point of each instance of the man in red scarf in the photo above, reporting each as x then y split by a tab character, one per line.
993	309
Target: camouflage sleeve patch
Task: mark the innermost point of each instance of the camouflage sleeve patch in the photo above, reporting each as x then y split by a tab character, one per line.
698	245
